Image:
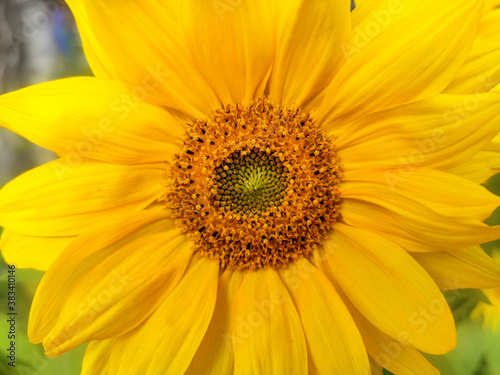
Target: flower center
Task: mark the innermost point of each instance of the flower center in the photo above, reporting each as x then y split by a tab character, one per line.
250	184
255	185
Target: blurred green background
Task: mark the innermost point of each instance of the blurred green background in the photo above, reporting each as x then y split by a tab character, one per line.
39	42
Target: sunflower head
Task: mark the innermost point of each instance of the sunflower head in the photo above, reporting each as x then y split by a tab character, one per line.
212	185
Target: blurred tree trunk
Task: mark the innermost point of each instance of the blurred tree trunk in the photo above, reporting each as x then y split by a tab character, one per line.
27	56
9	54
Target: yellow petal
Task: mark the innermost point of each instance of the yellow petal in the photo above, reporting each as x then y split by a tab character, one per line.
494	145
266	332
166	343
356	213
482	166
158	67
84	254
410	223
470	267
102	301
490	5
58	200
31	252
439	191
334	343
215	354
396	356
489	28
309	40
390	289
399	54
370	10
91	118
441	132
96	357
480	72
232	45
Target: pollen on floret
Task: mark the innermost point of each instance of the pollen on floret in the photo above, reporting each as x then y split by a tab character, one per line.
255	185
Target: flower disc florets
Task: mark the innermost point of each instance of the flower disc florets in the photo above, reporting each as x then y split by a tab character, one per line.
255	185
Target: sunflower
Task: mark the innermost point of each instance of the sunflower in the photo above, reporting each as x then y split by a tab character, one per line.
259	187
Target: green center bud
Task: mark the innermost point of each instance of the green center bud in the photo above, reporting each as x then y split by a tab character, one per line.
250	184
